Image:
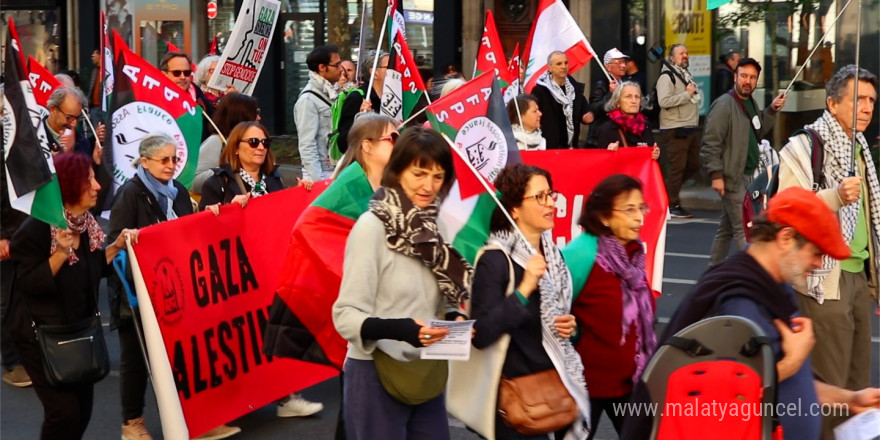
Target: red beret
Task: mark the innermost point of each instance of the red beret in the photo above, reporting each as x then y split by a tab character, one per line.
811	217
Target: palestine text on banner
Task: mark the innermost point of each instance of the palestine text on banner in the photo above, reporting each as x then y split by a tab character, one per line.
554	29
30	173
475	118
204	305
144	100
245	53
576	172
311	274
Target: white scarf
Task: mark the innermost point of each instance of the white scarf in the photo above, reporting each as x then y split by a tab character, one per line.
556	296
322	84
838	163
529	140
689	79
565	98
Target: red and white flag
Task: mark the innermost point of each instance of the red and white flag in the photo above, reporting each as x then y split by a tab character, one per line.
554	29
490	55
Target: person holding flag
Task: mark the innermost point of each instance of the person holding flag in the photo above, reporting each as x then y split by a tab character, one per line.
561	99
65	106
537	315
525	119
397	275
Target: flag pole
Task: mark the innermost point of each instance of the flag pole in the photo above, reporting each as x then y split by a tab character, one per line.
223	138
378	50
852	171
91	127
518	114
818	44
414	115
490	191
357	72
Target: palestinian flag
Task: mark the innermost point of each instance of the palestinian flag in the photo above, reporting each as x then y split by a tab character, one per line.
311	273
145	101
474	118
30	173
404	91
490	55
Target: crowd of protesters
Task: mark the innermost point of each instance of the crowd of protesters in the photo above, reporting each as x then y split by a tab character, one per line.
583	314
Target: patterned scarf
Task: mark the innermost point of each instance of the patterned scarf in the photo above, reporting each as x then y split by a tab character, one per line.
697	97
412	231
556	296
528	140
838	163
612	257
634	124
322	85
257	188
564	95
79	224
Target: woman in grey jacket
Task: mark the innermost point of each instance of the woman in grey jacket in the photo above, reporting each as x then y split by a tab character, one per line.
398	274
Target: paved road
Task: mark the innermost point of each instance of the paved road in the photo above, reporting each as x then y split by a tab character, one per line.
687	249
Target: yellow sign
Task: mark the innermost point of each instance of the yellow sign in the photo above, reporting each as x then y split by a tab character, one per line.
688	22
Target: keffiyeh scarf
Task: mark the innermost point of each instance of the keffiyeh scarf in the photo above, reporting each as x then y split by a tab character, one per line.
528	140
412	231
556	295
564	95
322	84
257	188
79	224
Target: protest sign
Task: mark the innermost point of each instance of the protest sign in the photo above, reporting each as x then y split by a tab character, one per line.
244	55
204	285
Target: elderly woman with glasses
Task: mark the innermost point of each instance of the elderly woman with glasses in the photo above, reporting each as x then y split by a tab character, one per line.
152	196
536	314
613	303
247	169
626	125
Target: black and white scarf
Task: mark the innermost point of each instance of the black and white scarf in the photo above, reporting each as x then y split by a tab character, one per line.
564	96
257	188
556	296
838	163
412	231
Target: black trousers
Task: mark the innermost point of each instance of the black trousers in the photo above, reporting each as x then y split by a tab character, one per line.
132	371
8	352
597	406
66	410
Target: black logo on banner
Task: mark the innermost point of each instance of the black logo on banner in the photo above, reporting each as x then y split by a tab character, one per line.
167	292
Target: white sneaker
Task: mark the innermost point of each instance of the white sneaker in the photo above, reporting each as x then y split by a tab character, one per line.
296	406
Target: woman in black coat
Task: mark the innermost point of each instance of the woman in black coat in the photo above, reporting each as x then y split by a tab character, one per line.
57	273
152	196
626	125
247	169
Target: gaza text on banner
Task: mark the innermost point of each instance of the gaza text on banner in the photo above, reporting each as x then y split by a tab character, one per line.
576	172
244	55
208	296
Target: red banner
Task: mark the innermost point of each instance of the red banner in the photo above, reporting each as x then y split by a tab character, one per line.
211	280
576	172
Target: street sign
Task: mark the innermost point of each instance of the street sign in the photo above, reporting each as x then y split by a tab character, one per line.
212	10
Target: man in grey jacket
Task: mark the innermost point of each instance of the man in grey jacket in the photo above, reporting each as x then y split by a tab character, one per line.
679	117
730	153
311	114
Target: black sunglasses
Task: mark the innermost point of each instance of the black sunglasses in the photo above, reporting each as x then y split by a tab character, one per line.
177	73
255	142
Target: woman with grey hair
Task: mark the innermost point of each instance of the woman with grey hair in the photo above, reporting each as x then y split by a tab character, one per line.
203	73
626	125
151	196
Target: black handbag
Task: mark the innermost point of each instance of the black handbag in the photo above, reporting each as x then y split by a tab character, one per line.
73	354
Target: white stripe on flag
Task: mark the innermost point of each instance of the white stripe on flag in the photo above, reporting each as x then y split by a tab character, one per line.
454	213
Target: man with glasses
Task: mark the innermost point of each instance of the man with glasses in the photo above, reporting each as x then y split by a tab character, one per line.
65	106
679	117
177	66
615	63
311	114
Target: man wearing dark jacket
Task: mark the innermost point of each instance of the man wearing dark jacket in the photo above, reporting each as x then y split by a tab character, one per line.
615	64
756	284
562	103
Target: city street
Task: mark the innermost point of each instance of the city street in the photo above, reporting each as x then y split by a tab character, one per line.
687	248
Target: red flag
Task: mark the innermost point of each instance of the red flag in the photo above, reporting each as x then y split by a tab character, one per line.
42	81
554	29
213	50
490	56
173	48
513	66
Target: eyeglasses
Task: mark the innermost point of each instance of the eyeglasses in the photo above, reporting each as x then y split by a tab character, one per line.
541	198
632	210
177	73
392	137
166	159
335	66
70	118
255	142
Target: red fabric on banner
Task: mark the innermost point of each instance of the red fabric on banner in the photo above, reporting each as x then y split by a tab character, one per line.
576	172
211	281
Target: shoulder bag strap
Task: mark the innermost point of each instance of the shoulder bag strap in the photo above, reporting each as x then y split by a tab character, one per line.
240	183
622	137
745	111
